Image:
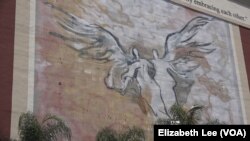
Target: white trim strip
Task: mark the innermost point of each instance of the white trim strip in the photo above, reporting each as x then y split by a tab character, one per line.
31	73
236	62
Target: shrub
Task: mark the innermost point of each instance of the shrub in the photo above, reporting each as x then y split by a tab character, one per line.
132	134
30	129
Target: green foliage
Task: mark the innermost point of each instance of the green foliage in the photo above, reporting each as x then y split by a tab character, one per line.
189	117
132	134
54	126
29	128
215	122
51	127
163	121
181	116
107	134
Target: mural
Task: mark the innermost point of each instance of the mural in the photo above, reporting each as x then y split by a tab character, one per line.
118	63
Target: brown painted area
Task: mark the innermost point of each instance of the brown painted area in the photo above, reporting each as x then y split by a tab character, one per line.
245	38
7	30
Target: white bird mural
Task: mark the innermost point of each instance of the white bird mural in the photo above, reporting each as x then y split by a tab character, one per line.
130	72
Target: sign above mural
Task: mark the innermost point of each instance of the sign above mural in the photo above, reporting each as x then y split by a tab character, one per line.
223	9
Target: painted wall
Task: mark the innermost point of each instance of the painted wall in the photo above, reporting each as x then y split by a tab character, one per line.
123	63
74	86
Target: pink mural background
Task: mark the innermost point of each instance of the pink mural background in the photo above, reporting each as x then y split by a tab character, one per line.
73	87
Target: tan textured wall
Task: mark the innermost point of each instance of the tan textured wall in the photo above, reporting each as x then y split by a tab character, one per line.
21	59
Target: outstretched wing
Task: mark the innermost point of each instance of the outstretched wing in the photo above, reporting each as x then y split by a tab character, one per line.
182	41
95	42
185	53
90	40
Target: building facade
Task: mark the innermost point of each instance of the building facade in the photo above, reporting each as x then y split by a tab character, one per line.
119	64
